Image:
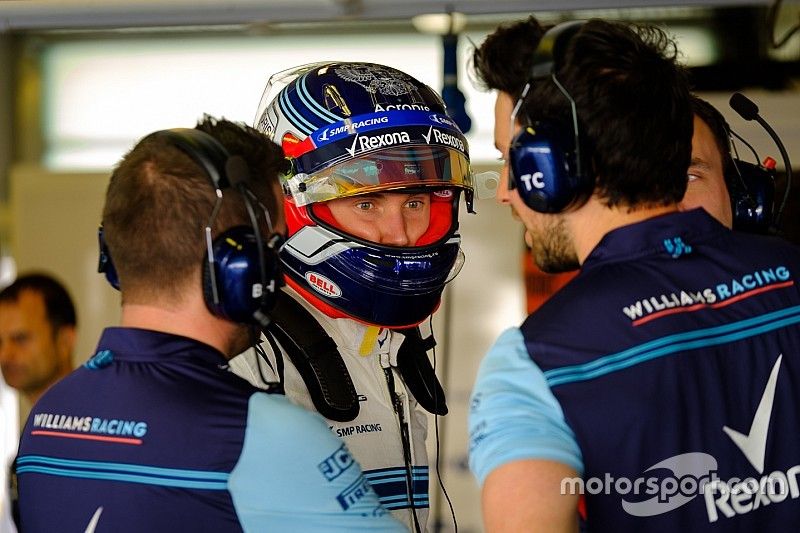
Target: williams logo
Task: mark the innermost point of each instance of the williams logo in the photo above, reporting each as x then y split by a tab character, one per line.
88	428
323	285
724	292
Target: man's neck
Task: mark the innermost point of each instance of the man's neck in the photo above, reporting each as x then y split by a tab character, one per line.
591	222
190	320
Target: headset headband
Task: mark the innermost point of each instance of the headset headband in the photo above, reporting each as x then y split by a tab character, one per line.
230	289
204	150
545	158
550	50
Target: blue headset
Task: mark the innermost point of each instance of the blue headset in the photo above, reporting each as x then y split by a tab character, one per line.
546	163
241	273
752	191
752	185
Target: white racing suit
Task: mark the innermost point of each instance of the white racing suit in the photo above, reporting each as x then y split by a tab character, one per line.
390	425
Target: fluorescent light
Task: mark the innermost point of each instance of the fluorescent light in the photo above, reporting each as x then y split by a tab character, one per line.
440	23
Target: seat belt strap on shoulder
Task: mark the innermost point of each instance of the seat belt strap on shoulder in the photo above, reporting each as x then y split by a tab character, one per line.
316	357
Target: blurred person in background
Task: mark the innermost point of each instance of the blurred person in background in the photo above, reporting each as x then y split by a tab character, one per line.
37	334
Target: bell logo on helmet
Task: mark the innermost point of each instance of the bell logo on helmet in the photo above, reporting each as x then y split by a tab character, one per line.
257	290
323	285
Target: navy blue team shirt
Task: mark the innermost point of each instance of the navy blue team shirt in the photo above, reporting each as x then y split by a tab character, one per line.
154	433
666	374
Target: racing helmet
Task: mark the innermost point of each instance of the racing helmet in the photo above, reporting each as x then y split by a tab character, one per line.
361	128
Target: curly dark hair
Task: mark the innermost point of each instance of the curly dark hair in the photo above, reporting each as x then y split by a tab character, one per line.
634	110
504	60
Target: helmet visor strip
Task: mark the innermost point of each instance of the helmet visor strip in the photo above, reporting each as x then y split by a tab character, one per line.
278	82
407	167
379	152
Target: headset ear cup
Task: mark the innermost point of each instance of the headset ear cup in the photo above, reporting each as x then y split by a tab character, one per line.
104	263
237	267
752	192
543	167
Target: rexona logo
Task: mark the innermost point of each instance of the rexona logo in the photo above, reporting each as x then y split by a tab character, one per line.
736	496
367	143
323	285
440	137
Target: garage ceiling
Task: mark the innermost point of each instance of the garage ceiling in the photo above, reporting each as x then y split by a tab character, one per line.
16	15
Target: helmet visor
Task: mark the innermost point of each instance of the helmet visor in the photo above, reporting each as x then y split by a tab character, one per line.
409	167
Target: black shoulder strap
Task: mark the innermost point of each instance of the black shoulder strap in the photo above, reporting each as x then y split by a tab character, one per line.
417	372
316	357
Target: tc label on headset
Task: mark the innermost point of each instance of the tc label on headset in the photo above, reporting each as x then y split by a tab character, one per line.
533	180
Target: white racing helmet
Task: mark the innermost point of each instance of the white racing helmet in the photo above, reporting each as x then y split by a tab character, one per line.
360	128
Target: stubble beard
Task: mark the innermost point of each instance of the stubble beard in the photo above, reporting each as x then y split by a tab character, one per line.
552	248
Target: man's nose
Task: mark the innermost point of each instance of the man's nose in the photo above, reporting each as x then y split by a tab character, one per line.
394	230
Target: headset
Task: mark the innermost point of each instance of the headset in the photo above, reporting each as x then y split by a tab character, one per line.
241	272
752	185
752	190
547	164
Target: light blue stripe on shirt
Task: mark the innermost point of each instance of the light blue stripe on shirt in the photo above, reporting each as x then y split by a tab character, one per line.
123	472
672	344
513	413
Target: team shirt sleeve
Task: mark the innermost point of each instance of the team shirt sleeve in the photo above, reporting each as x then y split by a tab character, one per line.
514	414
295	475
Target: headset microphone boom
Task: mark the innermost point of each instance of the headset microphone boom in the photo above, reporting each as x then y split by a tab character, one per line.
748	110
